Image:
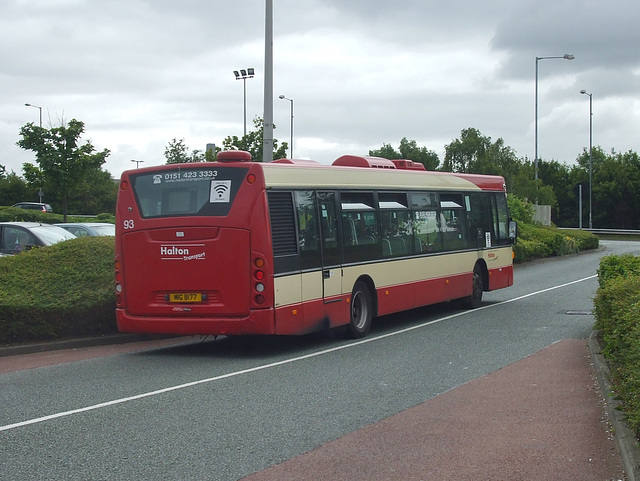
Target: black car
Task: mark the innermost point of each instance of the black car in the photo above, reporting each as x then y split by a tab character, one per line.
34	206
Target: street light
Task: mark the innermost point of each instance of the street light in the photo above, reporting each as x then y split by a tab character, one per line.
244	75
39	108
584	92
138	162
566	56
282	97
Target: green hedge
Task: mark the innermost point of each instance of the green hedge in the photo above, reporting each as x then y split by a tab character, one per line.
617	310
537	242
64	290
14	214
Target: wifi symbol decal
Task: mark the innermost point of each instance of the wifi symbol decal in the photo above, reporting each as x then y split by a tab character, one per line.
220	190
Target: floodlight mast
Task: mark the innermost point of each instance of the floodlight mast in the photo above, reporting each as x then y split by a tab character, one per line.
282	97
243	75
566	56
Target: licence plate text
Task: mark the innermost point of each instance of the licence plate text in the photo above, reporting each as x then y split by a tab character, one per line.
185	297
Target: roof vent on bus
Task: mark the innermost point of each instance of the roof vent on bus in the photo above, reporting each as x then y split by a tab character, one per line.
233	156
408	164
364	161
295	161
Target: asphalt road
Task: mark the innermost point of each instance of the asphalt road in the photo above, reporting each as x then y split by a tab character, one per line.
221	410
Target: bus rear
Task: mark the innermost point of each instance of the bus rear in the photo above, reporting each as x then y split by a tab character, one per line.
193	249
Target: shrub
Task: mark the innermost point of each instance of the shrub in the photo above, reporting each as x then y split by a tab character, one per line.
537	242
104	217
14	214
612	267
583	240
520	210
59	291
617	311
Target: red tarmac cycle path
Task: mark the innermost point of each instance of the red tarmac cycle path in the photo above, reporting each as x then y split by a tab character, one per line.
541	418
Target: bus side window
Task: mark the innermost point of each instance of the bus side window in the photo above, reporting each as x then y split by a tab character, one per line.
360	239
479	219
308	229
328	229
501	218
453	229
395	224
396	233
426	228
453	222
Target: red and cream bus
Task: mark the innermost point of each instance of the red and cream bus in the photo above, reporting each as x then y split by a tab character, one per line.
294	246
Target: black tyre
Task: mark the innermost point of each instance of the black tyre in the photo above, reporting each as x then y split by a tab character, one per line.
361	311
475	299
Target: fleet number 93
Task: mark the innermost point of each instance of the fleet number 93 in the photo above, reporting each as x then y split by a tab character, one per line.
128	224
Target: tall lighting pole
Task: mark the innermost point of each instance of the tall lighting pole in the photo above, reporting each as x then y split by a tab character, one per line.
584	92
267	132
39	108
566	56
282	97
244	75
138	162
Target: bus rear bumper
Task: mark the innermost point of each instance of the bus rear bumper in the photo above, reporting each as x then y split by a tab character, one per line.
259	322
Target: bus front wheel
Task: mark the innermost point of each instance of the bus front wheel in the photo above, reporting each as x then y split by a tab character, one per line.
361	311
475	299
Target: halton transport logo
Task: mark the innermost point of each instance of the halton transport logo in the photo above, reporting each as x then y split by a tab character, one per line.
185	252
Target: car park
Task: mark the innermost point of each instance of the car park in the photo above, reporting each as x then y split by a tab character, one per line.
16	237
34	206
85	229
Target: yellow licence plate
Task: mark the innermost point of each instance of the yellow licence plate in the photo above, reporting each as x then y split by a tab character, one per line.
185	297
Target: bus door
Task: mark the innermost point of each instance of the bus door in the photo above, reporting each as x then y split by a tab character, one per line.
331	268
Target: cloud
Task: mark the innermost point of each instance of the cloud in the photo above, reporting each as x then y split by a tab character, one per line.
361	73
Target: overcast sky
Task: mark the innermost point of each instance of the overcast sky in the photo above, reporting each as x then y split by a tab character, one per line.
362	73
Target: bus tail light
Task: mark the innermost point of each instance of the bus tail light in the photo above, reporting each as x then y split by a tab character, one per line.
118	279
259	275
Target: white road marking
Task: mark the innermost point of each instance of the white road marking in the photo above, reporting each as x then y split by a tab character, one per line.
274	364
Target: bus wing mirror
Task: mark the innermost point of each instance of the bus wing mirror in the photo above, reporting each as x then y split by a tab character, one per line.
513	231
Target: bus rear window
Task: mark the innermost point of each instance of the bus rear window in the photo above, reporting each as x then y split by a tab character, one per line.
187	191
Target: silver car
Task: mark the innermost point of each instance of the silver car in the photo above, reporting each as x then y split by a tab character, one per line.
84	229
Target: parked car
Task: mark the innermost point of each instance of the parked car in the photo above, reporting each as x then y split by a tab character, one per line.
16	237
84	229
34	206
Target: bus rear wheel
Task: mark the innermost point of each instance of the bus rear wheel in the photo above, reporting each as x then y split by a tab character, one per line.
361	311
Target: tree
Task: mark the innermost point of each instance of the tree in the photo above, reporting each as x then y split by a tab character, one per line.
63	162
616	188
178	153
95	194
13	189
468	153
386	152
475	153
409	150
252	142
557	177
